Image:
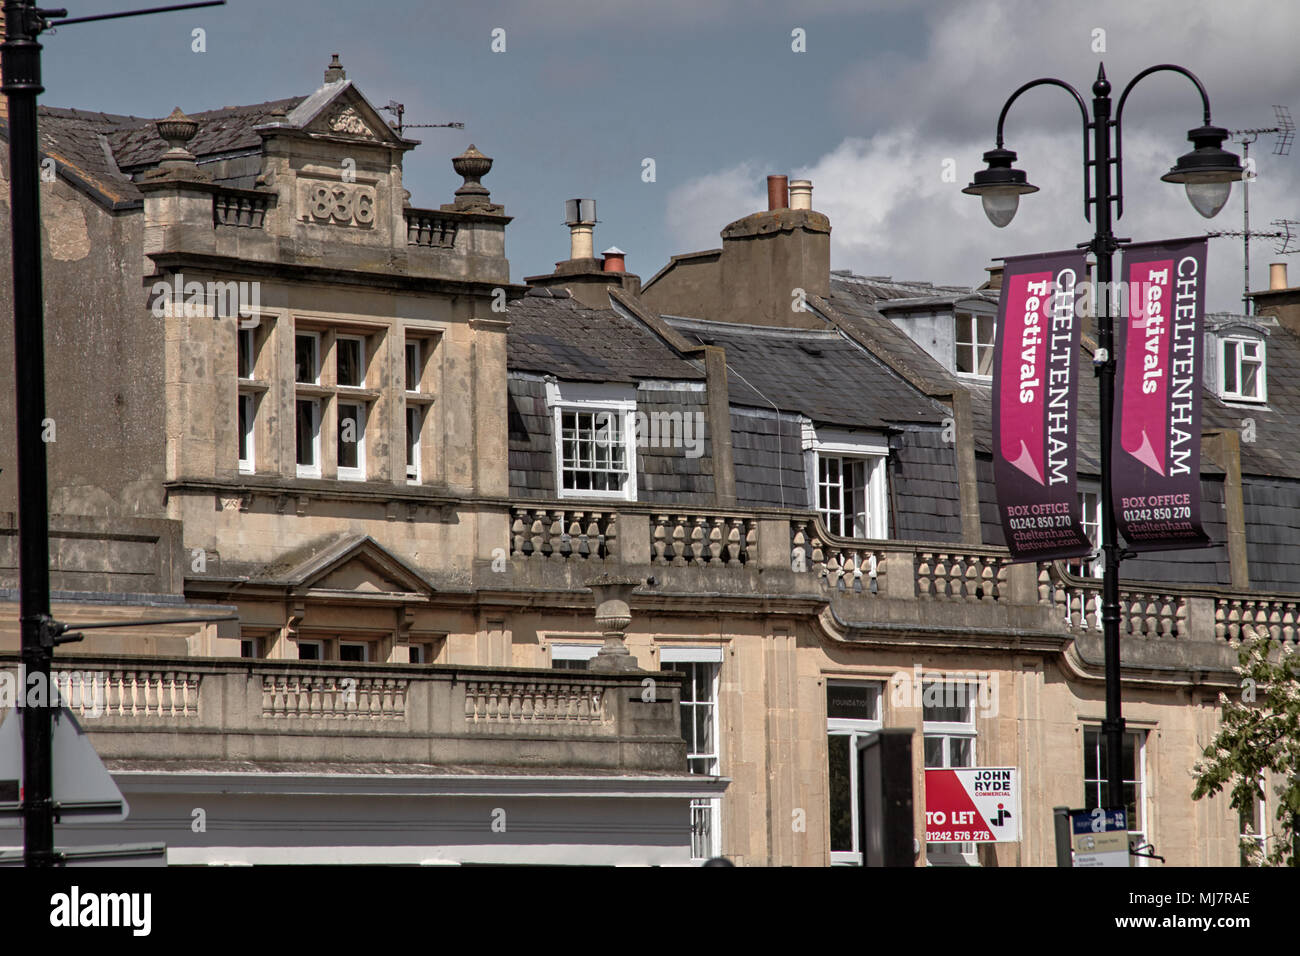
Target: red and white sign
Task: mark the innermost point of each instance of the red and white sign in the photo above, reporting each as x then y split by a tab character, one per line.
972	805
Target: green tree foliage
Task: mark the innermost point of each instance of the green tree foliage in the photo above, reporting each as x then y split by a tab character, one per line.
1259	736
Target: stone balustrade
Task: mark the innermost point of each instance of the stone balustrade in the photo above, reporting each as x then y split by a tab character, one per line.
240	208
699	539
1275	616
1145	611
427	227
333	697
954	573
842	563
563	533
217	710
574	703
146	693
962	573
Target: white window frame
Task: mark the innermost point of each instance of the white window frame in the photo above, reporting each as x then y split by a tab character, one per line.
421	648
855	729
357	472
247	461
365	650
1260	356
873	450
573	652
312	470
320	649
973	325
256	646
708	807
413	450
1141	833
361	358
951	854
315	337
243	335
1259	823
594	398
409	344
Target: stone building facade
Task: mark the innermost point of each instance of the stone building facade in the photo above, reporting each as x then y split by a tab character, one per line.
331	414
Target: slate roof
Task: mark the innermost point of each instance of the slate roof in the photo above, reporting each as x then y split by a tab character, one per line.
553	333
822	374
76	140
857	301
223	131
1275	450
101	151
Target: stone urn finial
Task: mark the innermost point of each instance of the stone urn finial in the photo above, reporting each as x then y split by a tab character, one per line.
472	166
178	162
177	130
613	615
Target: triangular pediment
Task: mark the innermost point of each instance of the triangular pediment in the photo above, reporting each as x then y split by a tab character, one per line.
353	564
362	575
340	110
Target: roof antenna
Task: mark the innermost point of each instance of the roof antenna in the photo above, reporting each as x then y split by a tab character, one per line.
398	109
1283	236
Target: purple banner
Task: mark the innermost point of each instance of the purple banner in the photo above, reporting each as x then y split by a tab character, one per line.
1156	449
1035	398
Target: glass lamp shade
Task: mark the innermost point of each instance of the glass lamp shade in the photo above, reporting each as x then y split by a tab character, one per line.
1208	198
1000	204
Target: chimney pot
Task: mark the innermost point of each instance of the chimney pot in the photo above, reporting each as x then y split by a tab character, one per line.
614	259
777	193
1277	275
580	217
801	194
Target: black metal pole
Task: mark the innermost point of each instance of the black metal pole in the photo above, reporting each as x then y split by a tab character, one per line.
22	84
1103	247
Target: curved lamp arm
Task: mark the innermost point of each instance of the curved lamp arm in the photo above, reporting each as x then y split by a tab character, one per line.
1087	125
1119	116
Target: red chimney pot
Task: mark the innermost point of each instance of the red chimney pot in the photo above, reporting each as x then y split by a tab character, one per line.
778	193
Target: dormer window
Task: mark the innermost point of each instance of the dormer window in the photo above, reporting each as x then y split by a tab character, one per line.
847	481
974	344
595	439
1241	369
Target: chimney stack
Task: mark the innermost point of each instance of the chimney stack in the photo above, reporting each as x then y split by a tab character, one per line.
801	194
777	193
580	217
334	72
1277	275
614	259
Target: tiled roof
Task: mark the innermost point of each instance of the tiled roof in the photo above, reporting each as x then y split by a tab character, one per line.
823	375
553	333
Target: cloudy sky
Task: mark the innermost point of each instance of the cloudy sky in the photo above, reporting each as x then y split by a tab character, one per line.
885	94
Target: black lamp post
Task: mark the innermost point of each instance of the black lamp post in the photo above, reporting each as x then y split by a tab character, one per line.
1207	173
40	633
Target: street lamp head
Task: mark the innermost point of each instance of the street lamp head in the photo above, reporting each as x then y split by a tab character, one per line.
1208	171
1000	186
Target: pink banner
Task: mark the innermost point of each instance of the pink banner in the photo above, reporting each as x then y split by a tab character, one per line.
1035	397
1156	453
